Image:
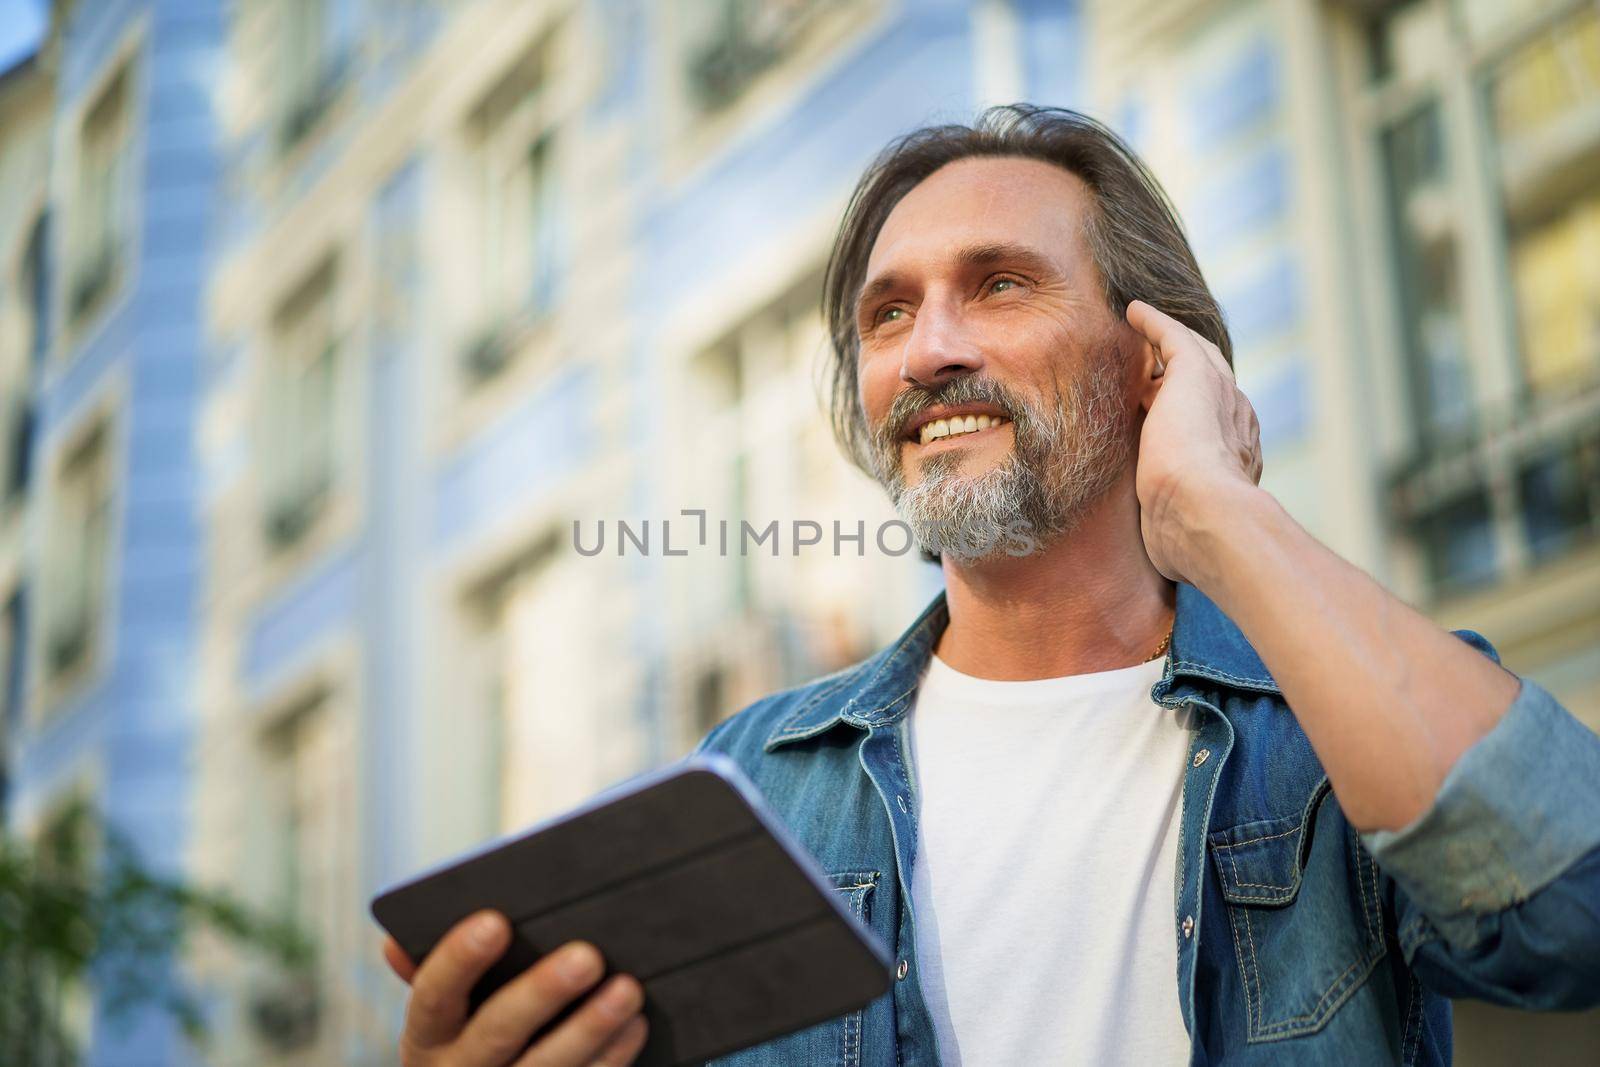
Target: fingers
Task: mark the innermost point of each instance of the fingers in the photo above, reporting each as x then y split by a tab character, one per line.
440	988
591	1028
1166	333
628	1043
1150	322
1160	329
501	1027
1171	337
398	961
1212	352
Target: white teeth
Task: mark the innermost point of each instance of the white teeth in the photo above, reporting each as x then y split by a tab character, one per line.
932	431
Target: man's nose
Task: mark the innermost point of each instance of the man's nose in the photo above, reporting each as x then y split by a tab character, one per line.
938	349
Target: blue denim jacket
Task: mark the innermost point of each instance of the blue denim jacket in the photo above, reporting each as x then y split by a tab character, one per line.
1300	939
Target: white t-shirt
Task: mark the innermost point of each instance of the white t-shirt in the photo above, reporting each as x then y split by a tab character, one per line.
1043	886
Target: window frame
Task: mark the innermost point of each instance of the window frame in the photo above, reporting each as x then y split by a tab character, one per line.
54	687
328	689
75	1002
79	315
510	314
303	104
314	305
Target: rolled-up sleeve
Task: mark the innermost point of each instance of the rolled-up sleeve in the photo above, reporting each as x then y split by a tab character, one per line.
1497	884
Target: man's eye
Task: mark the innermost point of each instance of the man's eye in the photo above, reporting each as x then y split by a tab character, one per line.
995	286
886	313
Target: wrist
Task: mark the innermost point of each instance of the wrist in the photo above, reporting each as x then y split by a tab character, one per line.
1221	525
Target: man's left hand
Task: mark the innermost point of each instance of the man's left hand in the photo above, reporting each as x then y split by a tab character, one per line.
1200	443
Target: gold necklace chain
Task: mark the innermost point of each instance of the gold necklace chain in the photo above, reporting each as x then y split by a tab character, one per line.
1161	649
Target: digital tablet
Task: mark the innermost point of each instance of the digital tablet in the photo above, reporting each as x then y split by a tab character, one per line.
683	879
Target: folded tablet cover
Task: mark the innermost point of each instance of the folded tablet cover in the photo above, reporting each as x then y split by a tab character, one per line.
684	885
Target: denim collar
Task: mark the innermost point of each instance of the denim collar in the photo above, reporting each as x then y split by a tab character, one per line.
1206	646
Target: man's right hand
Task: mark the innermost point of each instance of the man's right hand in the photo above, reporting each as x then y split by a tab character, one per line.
607	1029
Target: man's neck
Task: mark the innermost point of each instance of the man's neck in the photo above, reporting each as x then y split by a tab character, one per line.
1090	602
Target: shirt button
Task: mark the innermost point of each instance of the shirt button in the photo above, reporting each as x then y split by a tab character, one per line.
1200	757
901	971
1188	926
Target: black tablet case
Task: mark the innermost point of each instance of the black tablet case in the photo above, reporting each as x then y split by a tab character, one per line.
681	884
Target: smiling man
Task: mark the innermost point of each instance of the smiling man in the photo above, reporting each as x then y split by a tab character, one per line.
1158	778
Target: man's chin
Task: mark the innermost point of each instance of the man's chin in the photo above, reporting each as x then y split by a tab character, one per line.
965	464
970	540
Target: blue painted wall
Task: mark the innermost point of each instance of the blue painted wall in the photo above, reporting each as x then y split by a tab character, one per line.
132	730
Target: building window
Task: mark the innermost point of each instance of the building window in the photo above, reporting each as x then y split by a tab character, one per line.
316	50
516	190
67	849
1426	251
101	214
1498	285
16	399
751	396
36	290
542	723
730	44
79	545
1544	103
300	408
16	450
302	804
299	779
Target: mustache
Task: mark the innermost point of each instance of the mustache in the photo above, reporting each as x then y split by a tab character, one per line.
967	389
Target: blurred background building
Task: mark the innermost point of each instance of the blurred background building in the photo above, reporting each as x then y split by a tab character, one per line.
322	323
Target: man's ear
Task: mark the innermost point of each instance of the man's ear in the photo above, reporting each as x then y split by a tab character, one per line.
1146	368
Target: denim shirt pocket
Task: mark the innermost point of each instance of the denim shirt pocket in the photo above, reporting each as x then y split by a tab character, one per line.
856	888
1306	916
833	1041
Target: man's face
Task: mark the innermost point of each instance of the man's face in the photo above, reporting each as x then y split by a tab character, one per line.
982	301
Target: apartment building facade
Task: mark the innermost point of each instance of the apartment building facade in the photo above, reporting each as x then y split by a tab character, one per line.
107	178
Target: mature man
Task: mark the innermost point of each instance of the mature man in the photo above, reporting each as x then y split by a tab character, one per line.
1152	730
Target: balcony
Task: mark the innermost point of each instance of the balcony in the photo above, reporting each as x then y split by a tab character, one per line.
290	515
309	107
92	281
500	341
1509	492
749	40
68	643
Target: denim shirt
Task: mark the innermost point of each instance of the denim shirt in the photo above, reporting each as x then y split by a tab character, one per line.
1299	937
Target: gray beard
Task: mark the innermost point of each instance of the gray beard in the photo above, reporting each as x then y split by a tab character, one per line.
1064	458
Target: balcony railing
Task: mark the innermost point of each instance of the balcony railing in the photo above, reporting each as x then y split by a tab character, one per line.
93	279
286	1013
1512	489
290	514
750	39
68	643
307	110
498	343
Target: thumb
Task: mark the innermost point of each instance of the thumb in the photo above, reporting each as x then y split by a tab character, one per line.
398	961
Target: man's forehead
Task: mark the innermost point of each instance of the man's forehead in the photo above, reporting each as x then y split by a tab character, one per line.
984	200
